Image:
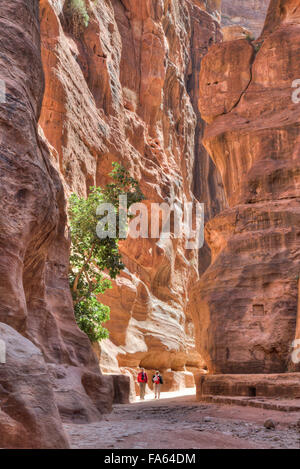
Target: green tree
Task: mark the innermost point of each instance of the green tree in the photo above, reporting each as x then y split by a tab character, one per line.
91	256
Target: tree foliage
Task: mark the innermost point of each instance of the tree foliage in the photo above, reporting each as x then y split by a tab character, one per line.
92	256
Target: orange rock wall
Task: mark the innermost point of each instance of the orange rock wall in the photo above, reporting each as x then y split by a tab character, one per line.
246	310
249	14
126	90
50	366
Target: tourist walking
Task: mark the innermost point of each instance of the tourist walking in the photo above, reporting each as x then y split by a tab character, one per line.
157	381
142	380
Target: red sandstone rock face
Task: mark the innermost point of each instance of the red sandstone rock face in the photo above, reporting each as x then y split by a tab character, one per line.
34	245
207	184
250	14
29	416
230	33
126	90
285	385
247	307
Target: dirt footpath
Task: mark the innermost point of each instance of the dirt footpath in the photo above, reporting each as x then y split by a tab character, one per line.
184	423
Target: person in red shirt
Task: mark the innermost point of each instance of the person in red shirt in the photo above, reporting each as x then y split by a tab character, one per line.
157	380
142	380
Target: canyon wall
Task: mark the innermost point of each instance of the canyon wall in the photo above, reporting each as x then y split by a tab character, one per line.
50	370
123	89
246	311
249	14
126	89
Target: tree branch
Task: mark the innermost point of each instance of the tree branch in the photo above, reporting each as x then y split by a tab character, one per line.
82	269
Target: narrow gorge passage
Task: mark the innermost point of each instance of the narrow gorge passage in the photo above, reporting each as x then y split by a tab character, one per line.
192	108
182	422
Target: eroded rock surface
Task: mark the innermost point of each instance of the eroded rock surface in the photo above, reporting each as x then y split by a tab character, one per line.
29	416
281	386
250	14
247	307
34	246
126	89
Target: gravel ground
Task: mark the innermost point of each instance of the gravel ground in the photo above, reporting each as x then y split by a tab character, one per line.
184	423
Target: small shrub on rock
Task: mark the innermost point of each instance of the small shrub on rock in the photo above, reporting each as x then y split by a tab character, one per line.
77	16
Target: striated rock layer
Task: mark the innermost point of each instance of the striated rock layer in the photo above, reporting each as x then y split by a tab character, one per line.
249	14
246	311
285	385
29	417
126	89
54	368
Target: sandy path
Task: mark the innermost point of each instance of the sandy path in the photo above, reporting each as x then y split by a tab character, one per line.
184	423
